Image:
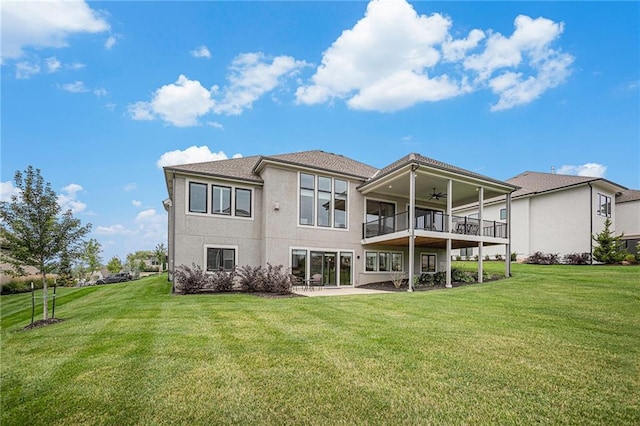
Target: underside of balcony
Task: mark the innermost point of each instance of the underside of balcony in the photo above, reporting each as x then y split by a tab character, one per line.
401	239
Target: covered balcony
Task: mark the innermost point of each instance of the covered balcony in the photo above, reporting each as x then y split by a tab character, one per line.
427	193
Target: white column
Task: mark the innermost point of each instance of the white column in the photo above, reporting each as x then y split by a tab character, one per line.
507	261
449	226
480	218
412	231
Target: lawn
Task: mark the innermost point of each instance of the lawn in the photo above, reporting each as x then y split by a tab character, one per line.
552	345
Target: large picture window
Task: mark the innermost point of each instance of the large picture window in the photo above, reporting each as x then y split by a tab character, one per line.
323	201
197	197
604	205
220	258
322	267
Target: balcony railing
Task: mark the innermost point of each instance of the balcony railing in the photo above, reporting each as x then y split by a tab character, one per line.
434	221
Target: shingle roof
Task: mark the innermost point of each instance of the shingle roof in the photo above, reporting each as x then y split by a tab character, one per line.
322	160
628	195
536	182
235	168
430	162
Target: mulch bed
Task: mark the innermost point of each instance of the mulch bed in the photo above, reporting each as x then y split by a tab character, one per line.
388	286
42	323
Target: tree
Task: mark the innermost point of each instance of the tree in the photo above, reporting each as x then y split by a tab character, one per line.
610	248
115	265
90	258
34	230
160	253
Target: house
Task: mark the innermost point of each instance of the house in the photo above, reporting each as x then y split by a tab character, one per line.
327	215
553	213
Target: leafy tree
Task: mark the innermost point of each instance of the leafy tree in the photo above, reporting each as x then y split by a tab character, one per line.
115	265
90	259
136	261
161	254
34	230
610	247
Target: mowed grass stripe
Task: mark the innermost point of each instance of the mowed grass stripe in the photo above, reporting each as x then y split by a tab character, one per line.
551	344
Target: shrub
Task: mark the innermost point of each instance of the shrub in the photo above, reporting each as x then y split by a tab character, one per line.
459	275
540	258
23	284
191	280
514	256
487	258
499	257
609	249
251	278
578	258
278	279
638	253
222	280
630	258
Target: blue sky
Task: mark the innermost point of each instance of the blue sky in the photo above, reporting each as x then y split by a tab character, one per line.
100	95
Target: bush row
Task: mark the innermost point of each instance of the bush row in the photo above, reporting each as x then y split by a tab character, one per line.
250	279
23	284
540	258
458	275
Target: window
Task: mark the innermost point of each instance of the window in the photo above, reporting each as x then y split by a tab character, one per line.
503	214
340	203
299	263
427	263
604	205
221	200
466	252
243	202
380	218
383	261
327	267
323	201
220	259
307	192
197	197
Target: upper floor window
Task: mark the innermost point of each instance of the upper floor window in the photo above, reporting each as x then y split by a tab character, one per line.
225	200
503	214
323	201
197	197
604	205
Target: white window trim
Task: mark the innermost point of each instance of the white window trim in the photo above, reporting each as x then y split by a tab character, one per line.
209	213
315	202
219	246
377	252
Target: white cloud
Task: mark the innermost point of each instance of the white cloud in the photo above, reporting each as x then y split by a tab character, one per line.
130	186
75	87
180	103
201	52
7	190
53	64
394	58
112	230
100	92
193	154
110	42
136	203
252	75
151	226
45	24
25	69
587	169
215	125
75	66
68	199
382	62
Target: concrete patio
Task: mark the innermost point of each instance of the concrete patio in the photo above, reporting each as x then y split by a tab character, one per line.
335	291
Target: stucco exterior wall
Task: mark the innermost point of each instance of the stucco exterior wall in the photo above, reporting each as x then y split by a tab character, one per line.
628	219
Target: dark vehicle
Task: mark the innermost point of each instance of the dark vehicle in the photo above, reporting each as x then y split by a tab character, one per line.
115	278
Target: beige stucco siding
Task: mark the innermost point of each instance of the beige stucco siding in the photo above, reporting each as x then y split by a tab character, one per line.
628	219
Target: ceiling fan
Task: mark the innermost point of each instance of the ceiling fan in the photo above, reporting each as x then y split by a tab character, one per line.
437	195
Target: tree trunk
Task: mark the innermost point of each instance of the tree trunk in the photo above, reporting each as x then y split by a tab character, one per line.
45	307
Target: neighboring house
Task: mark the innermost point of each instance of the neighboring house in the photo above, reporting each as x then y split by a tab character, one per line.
554	213
322	214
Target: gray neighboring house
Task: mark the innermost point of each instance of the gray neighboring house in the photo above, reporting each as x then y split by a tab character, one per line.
322	214
554	213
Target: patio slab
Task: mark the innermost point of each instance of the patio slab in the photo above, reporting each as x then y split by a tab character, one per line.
337	291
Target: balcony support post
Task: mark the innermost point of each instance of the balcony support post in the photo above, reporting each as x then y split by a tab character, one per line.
507	259
412	224
449	227
480	220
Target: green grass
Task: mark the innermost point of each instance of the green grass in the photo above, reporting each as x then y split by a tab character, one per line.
552	345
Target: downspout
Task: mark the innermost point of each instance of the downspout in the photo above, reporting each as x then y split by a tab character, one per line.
590	222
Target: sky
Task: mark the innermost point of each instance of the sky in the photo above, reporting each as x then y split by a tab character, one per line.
101	95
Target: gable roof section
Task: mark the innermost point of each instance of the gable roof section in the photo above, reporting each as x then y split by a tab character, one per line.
419	159
235	168
531	183
320	160
628	195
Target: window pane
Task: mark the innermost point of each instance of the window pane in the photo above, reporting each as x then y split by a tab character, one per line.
324	184
299	263
307	181
306	206
503	214
228	259
197	197
345	268
372	261
324	208
340	204
384	261
396	261
221	200
214	259
243	202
